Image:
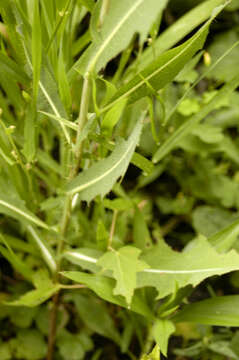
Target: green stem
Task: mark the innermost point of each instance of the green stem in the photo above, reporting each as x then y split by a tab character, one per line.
84	107
112	229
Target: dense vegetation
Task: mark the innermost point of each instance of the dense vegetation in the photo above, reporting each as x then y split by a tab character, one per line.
119	179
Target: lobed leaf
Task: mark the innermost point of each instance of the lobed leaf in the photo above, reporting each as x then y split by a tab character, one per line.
125	265
170	268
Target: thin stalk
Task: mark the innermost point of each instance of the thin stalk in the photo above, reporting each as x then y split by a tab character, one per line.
73	286
84	107
112	229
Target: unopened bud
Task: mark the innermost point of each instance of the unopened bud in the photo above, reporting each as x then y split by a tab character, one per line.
207	58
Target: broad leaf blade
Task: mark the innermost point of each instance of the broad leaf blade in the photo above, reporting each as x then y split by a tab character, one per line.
104	288
100	178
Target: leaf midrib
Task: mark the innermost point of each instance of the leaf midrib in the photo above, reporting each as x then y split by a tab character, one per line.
22	213
128	93
94	181
159	271
92	63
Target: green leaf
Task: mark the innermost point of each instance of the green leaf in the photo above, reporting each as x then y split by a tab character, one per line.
142	163
95	315
5	351
124	19
63	84
112	117
100	178
30	345
49	97
170	268
208	133
209	220
162	330
15	208
125	265
70	346
17	72
218	311
36	297
21	316
227	68
141	235
173	140
15	261
86	258
104	288
29	149
45	250
89	4
177	31
232	6
154	355
224	239
162	70
118	204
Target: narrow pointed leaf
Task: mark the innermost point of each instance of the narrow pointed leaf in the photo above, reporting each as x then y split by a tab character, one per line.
16	209
177	31
45	251
36	297
16	262
100	178
224	239
163	70
218	311
124	19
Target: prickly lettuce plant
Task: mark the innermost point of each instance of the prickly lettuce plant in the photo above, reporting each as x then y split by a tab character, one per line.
97	102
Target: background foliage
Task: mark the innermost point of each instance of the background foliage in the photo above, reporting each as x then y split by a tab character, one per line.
119	181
